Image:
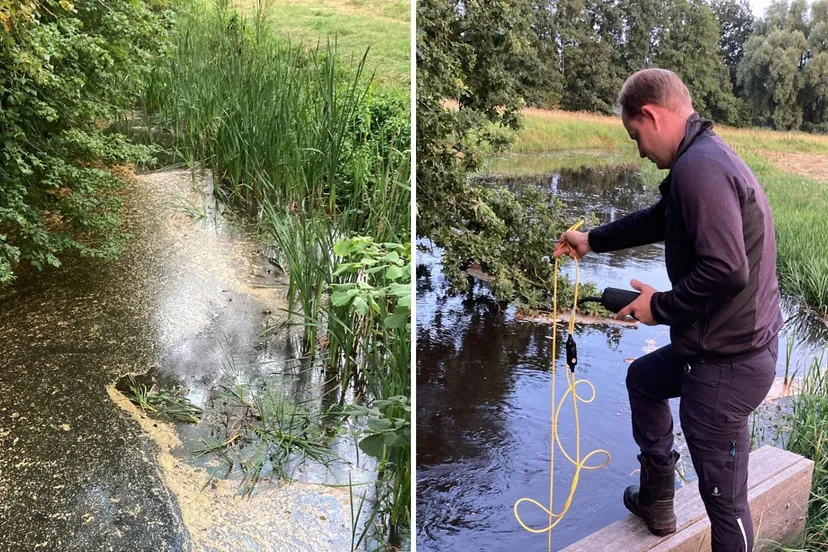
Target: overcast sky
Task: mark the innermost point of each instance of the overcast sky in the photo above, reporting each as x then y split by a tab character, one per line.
759	7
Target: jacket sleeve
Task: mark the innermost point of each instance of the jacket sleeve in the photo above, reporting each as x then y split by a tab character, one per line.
708	196
639	228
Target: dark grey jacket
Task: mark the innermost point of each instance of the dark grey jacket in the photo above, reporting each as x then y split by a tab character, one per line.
720	250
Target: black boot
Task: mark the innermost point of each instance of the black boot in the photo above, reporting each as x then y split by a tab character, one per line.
653	500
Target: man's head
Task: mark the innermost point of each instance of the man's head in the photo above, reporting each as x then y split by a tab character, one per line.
655	105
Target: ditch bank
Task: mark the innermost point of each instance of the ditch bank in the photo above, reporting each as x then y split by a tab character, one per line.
80	467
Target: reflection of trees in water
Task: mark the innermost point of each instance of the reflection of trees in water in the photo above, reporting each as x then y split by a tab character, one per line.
609	193
469	351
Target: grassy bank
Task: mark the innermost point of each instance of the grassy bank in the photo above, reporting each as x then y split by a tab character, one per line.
808	421
381	25
545	131
557	139
301	139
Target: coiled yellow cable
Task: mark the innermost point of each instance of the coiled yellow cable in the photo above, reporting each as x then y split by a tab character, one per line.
572	383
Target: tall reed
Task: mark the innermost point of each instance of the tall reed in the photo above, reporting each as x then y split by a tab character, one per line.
307	146
809	437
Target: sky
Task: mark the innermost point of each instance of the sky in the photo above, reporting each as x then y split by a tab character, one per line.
759	6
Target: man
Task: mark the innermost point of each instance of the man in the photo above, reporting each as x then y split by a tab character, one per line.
723	310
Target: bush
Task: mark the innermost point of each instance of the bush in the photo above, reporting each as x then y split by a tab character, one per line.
68	70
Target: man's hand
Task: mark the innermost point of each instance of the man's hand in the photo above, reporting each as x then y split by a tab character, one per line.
572	243
640	308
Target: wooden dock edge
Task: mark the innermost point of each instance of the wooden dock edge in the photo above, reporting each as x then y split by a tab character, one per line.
779	485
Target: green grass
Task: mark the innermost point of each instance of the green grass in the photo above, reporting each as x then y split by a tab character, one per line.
552	140
264	434
800	215
521	164
546	131
381	25
809	437
161	403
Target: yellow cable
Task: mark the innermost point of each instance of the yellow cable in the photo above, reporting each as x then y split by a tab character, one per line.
572	383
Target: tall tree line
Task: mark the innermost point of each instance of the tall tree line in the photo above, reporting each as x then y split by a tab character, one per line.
479	62
772	71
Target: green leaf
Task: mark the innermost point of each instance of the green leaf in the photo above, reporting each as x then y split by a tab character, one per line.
378	425
342	298
393	273
399	319
399	290
360	305
392	257
373	445
343	248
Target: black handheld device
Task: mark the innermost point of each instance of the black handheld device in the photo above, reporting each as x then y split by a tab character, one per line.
613	299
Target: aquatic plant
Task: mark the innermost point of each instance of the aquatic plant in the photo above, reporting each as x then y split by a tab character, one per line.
162	402
263	434
320	158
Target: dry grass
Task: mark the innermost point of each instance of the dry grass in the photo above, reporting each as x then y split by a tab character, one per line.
810	165
552	130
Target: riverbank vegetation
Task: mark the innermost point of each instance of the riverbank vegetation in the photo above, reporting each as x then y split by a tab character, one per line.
807	435
306	131
68	68
474	85
309	146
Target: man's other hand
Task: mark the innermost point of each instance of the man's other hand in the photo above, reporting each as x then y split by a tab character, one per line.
640	308
572	243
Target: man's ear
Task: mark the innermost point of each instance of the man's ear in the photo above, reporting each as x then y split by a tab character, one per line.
648	113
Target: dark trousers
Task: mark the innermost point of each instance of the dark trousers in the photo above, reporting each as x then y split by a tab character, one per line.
717	398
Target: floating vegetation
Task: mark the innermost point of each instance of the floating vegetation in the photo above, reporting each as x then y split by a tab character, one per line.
162	403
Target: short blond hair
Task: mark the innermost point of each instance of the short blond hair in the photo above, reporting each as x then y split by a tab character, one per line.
653	86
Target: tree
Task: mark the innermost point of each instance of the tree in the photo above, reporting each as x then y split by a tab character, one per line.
816	93
538	70
736	23
67	68
771	76
642	27
468	94
688	45
591	59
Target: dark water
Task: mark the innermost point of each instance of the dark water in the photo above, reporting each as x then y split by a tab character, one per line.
483	381
187	301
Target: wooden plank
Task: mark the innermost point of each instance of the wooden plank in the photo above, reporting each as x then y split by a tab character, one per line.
777	482
773	502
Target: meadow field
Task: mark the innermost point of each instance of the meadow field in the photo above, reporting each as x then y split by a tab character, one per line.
356	25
